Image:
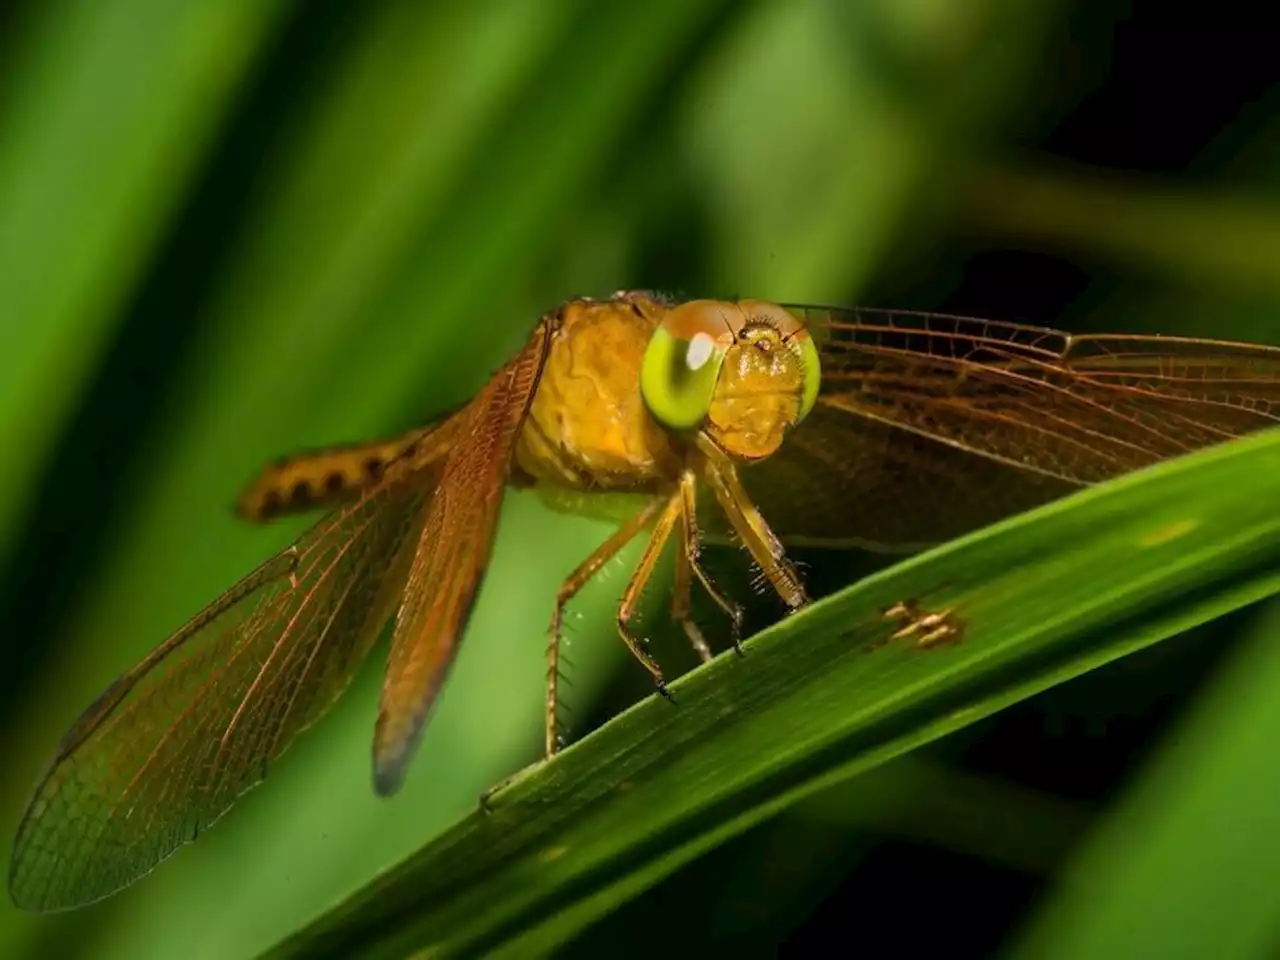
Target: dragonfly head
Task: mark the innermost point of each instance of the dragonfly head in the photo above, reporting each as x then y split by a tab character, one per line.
743	372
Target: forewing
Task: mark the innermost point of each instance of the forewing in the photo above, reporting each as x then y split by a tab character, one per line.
452	554
928	425
847	480
167	749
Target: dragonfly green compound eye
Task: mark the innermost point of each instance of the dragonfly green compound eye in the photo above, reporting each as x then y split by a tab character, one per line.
678	377
811	367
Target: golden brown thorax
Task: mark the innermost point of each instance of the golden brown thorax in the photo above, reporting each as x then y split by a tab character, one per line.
588	426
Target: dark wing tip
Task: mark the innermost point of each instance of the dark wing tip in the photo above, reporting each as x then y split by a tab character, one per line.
396	739
388	780
390	766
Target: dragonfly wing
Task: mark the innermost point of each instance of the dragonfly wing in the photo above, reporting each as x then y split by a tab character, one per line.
845	480
452	554
930	425
1081	408
168	748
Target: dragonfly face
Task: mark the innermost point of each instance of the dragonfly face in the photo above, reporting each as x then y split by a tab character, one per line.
745	372
809	425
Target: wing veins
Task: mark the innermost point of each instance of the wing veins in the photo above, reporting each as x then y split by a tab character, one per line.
305	606
222	671
1017	377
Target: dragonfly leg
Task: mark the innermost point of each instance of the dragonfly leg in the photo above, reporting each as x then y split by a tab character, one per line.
569	589
687	566
682	607
662	529
765	548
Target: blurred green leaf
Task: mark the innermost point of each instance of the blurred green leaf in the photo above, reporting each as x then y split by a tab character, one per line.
821	697
1218	236
109	110
762	886
1188	863
924	800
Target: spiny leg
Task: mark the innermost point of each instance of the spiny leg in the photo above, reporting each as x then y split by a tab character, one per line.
682	606
765	548
687	566
639	580
569	588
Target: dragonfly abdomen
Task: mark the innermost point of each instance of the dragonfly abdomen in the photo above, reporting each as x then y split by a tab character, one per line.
312	480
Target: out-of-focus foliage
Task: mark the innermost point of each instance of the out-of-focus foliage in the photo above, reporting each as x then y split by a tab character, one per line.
1156	877
231	229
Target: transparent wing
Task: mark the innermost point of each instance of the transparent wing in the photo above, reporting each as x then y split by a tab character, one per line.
452	554
929	425
169	746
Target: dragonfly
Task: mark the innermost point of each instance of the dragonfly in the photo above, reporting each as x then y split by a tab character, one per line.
763	425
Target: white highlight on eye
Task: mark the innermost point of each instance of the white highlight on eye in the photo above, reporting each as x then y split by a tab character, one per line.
700	349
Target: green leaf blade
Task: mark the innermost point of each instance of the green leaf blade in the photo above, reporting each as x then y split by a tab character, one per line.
822	697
